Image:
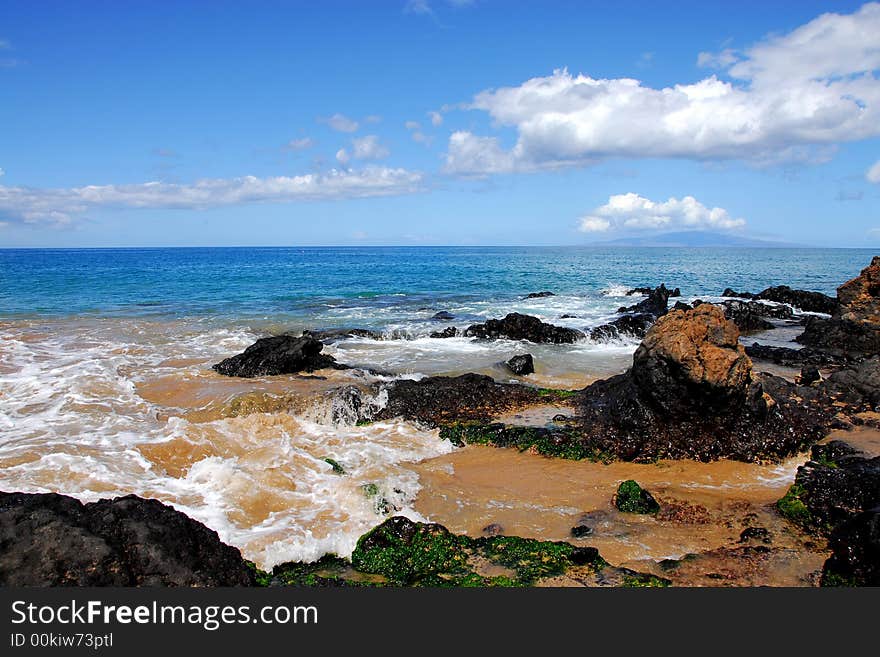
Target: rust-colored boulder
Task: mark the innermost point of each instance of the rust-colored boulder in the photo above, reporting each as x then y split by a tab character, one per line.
860	297
691	360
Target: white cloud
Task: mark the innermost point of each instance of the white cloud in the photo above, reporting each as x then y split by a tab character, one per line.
373	118
724	59
633	212
873	174
62	206
343	156
413	125
339	123
302	144
368	148
436	118
814	87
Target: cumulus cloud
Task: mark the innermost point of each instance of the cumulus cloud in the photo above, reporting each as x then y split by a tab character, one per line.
64	205
787	95
436	118
633	212
368	148
720	60
343	156
873	174
339	123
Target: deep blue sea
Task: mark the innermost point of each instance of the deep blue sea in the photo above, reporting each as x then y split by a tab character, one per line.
297	282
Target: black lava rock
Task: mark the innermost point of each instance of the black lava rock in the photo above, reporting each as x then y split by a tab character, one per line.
521	364
281	354
516	326
55	540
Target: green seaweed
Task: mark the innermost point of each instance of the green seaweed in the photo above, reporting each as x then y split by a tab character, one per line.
337	469
644	580
792	508
632	498
559	443
556	394
261	577
329	570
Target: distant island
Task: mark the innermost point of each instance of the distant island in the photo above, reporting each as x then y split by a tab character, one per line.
696	238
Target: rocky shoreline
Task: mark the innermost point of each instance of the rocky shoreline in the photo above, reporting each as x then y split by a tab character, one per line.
693	392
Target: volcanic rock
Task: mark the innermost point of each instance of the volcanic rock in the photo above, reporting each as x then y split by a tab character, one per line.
521	364
634	325
438	400
448	332
281	354
55	540
656	304
539	295
443	316
516	326
692	360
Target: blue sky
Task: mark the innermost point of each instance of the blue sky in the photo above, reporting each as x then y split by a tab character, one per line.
437	122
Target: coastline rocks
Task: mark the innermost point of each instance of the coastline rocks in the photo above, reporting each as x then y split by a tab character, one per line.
521	364
516	326
334	335
281	354
443	316
539	295
656	304
448	332
635	325
860	297
692	361
837	493
815	302
55	540
438	400
746	317
728	292
857	385
792	357
853	331
855	552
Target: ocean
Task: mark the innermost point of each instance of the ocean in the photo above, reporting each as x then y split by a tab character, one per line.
106	387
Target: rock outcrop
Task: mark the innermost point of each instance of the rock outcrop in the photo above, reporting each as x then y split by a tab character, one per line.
448	332
438	400
814	302
634	325
55	540
281	354
853	331
516	326
837	493
656	304
328	336
692	361
540	295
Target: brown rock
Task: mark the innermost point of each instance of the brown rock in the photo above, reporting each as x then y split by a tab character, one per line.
692	358
860	297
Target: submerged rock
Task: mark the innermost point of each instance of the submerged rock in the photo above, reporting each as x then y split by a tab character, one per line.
443	316
521	365
539	295
281	354
516	326
55	540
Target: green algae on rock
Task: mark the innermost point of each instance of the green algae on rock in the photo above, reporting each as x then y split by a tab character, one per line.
632	498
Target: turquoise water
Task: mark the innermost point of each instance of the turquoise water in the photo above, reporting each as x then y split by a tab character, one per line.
289	283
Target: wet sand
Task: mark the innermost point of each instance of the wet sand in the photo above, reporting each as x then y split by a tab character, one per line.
704	506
